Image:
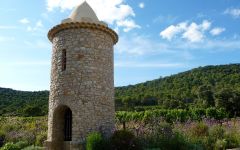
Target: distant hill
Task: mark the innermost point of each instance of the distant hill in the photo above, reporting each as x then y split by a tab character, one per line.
210	86
13	102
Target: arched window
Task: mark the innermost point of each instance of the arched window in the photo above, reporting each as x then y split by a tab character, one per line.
68	125
64	60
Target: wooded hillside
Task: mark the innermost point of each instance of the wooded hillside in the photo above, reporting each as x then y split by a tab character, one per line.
210	86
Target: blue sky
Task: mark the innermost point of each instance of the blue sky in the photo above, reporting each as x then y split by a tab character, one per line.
157	37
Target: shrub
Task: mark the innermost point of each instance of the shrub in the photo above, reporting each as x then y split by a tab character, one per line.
232	138
215	113
220	144
21	144
216	132
164	137
179	142
164	130
9	146
197	113
159	134
199	130
29	111
40	138
124	140
17	146
94	141
211	112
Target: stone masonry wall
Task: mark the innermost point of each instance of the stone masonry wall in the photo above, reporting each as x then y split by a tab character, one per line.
86	86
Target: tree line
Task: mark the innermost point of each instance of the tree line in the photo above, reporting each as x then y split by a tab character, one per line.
203	87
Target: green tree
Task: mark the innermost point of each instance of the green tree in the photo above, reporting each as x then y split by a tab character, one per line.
228	99
30	111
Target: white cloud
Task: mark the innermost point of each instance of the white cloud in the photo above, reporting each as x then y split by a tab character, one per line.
209	45
32	28
24	21
140	51
127	25
110	11
192	32
51	4
217	31
38	26
141	5
172	30
169	32
205	25
106	10
235	12
137	45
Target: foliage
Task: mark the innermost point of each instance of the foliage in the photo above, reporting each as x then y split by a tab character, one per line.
2	138
171	115
207	134
155	133
23	103
17	146
165	138
94	141
203	87
200	130
40	138
229	99
30	129
9	146
233	138
189	110
124	140
217	132
220	144
32	110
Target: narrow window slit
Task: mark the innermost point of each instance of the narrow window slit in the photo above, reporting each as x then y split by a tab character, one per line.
64	60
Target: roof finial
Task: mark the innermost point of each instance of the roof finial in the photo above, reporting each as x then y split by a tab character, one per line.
83	12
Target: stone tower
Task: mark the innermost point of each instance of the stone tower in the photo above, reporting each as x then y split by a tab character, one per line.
82	87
